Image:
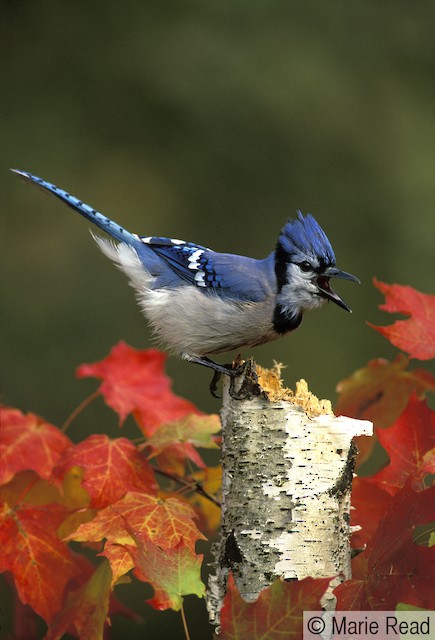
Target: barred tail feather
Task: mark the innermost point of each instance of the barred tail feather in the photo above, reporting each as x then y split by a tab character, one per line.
103	222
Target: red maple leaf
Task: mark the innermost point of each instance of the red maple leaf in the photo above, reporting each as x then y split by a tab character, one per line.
164	522
383	592
28	442
369	504
41	564
111	468
398	570
415	335
173	573
85	611
380	391
135	382
276	614
393	543
406	442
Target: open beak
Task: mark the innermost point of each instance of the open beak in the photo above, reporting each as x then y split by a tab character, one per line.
325	290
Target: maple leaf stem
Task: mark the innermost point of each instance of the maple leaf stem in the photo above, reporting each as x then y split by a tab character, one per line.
77	411
189	483
183	617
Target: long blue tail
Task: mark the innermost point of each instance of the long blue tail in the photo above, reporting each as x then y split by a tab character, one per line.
102	221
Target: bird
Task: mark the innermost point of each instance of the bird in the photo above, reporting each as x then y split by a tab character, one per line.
200	302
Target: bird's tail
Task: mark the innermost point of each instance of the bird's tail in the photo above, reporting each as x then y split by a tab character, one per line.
103	222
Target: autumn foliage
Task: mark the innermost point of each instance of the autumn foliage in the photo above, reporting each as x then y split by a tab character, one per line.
79	518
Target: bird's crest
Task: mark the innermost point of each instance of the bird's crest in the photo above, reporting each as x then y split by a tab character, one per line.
304	236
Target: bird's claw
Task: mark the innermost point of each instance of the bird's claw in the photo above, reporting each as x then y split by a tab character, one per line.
213	384
235	371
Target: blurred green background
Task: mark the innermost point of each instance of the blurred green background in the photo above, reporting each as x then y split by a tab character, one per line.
214	122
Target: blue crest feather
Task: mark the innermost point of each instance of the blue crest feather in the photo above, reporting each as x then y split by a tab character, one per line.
304	235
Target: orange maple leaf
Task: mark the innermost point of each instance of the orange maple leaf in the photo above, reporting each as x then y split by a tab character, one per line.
41	564
28	442
120	560
416	335
164	522
111	468
135	382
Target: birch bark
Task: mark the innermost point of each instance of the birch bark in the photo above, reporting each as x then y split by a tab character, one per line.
287	472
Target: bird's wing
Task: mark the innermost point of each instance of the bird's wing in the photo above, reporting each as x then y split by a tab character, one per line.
225	274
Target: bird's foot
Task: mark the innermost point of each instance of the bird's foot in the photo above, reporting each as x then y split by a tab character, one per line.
238	368
233	370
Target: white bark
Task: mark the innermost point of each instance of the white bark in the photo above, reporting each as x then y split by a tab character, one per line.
287	474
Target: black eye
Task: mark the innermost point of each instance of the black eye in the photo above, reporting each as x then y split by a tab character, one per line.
305	266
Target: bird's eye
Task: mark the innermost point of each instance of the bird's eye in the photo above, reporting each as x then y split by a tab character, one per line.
305	266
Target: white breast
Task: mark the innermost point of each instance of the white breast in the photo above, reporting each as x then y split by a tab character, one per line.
192	321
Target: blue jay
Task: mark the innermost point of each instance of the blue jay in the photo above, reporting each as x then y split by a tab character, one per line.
200	302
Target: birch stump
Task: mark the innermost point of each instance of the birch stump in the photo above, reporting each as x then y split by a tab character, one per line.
287	473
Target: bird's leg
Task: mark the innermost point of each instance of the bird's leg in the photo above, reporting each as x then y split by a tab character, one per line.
206	362
232	370
218	369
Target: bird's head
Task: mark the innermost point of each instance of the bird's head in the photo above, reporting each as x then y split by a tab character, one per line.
304	264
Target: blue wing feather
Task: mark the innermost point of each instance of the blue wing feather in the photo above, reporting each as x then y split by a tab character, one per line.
225	274
176	253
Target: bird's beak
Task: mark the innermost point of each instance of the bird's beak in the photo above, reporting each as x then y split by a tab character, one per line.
325	290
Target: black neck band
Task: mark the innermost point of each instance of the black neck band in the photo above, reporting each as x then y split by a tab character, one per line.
283	322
